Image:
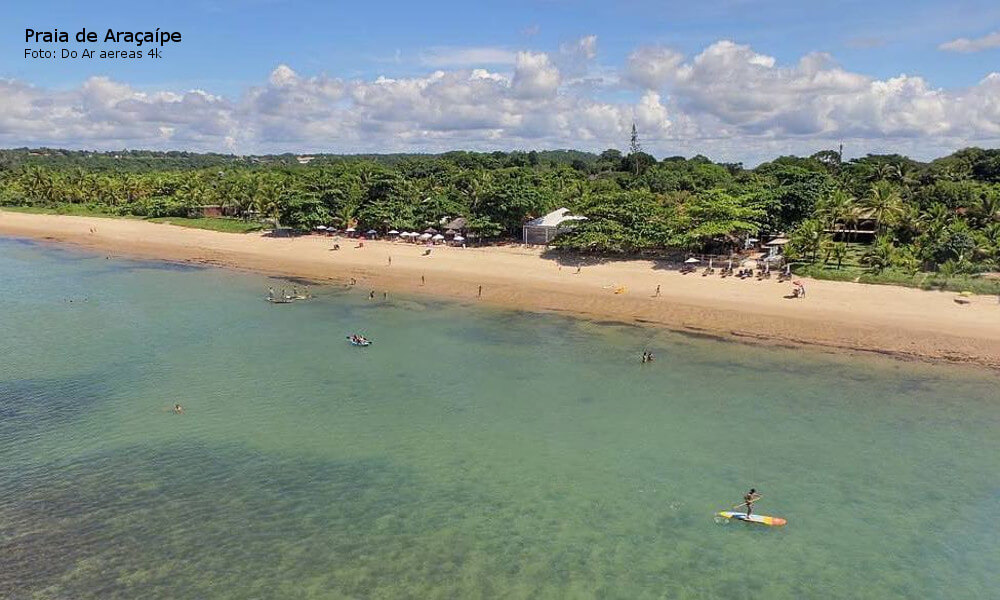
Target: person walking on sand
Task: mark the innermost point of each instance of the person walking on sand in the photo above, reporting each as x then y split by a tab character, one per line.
480	291
578	267
422	281
385	295
390	261
657	291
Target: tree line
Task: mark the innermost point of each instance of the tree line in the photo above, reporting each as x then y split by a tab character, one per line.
927	216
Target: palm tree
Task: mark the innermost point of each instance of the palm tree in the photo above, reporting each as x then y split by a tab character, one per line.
880	255
885	203
987	210
839	252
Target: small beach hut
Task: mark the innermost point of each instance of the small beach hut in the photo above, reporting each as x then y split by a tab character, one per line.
543	229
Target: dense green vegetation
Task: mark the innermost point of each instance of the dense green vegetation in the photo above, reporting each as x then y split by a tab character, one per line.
941	217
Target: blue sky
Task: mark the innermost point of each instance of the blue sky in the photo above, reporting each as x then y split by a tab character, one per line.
231	48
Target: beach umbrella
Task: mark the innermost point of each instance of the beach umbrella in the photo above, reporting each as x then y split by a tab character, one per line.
450	232
430	230
372	232
438	237
459	238
692	260
425	236
350	230
321	227
393	232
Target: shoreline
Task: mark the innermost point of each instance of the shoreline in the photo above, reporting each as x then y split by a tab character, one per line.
901	322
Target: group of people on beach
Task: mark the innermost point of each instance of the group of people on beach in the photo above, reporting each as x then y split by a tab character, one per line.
647	357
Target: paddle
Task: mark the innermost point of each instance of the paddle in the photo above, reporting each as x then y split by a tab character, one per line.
758	497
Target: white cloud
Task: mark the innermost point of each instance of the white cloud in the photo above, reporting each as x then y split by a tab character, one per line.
991	40
652	67
585	47
535	76
467	57
728	101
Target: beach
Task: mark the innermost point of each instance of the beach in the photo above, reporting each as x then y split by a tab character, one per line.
903	322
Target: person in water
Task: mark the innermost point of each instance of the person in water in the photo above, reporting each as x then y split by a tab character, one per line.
749	498
178	409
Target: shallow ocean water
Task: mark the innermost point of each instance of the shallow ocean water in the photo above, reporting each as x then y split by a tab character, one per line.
469	453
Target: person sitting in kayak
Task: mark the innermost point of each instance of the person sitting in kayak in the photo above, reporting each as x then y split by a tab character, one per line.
749	498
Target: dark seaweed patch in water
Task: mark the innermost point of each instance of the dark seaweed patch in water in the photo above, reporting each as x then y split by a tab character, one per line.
297	280
509	327
32	404
131	266
188	521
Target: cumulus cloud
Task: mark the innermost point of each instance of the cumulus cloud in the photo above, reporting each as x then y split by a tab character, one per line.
730	87
991	40
652	67
728	101
535	76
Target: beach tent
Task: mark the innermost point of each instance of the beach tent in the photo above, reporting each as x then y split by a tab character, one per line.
543	229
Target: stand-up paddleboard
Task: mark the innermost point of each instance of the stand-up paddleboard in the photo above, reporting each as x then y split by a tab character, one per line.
762	519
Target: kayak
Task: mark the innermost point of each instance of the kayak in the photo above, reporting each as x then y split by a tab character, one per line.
762	519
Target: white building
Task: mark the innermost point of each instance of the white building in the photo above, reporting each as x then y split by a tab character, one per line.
541	230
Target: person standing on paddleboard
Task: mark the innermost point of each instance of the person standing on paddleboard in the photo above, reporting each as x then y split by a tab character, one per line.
748	500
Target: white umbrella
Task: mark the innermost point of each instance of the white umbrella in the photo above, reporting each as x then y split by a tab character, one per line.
393	232
692	260
458	238
323	227
350	230
438	237
372	232
425	236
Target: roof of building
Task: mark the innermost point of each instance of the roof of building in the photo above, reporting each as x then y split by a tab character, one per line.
456	224
554	219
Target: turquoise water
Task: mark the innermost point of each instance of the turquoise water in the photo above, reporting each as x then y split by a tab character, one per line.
468	453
